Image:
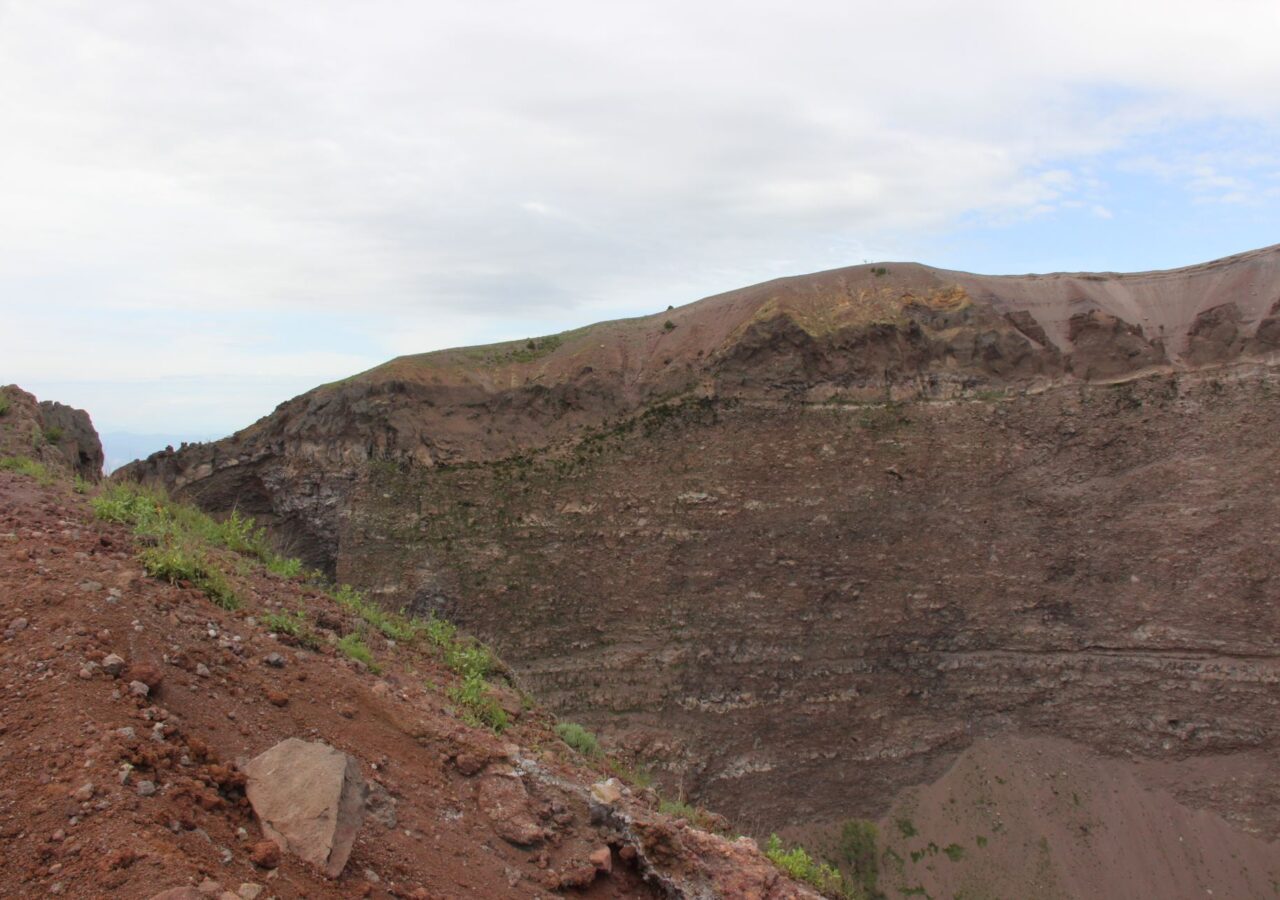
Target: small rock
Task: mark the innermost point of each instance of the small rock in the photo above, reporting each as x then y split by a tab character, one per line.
602	859
84	793
179	893
202	670
468	763
18	624
607	792
139	689
249	891
209	888
274	660
265	854
505	802
113	665
277	698
148	674
146	788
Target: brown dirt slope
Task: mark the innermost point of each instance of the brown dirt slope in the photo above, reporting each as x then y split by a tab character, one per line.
108	793
1042	817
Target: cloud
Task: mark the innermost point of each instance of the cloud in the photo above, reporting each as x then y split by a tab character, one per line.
404	175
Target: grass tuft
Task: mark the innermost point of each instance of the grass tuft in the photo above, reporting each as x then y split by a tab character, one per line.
174	562
354	647
797	863
24	465
579	739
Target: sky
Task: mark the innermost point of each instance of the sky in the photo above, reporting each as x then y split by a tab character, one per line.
209	207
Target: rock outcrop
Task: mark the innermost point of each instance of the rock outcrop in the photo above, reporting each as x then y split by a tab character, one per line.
801	544
51	433
310	800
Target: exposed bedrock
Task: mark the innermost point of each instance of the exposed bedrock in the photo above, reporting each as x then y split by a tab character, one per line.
802	543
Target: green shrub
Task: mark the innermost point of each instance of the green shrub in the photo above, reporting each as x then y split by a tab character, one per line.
479	709
469	659
668	325
353	646
797	863
294	625
954	852
80	485
857	850
174	563
285	567
4	405
579	739
53	434
392	625
156	518
695	815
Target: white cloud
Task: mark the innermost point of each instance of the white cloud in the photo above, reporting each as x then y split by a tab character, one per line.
453	172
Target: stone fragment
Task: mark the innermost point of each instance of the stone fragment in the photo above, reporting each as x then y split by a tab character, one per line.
274	660
265	854
310	799
602	859
179	893
146	788
84	793
277	698
113	665
139	689
607	792
505	802
249	891
202	670
148	674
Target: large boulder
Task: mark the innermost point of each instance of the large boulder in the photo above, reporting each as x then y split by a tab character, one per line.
310	799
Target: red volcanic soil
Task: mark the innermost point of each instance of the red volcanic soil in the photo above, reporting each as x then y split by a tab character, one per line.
108	793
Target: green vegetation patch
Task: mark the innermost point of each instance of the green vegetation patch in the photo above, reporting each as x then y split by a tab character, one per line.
174	562
857	850
477	705
579	739
797	863
354	647
294	625
26	466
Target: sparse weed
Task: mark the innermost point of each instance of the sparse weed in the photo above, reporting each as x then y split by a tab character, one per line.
174	563
579	739
53	434
4	406
797	863
294	625
24	465
857	849
354	647
479	709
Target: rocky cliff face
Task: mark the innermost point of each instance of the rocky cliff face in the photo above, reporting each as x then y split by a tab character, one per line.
803	543
51	433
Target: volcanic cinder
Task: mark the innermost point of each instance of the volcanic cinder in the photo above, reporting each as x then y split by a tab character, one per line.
804	544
